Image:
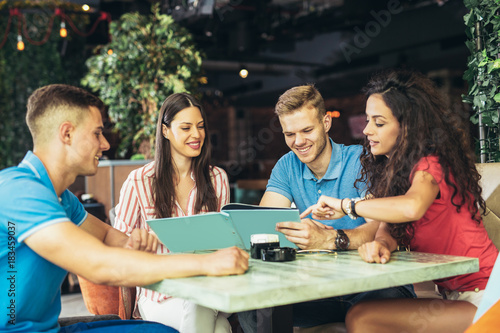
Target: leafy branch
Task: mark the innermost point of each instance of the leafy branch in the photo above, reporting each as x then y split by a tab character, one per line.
152	57
483	73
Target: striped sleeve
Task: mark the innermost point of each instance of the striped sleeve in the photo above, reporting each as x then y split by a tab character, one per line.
135	206
127	210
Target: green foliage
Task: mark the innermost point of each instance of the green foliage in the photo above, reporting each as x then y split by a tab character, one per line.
483	72
23	72
137	157
152	58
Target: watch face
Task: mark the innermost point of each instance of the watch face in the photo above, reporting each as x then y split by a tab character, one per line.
342	241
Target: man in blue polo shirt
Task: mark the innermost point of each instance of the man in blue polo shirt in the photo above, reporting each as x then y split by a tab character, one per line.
45	231
317	166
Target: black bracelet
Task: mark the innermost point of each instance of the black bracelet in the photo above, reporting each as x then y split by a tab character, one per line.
342	206
353	208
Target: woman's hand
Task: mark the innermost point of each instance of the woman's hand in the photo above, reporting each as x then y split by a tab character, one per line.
327	208
374	252
142	240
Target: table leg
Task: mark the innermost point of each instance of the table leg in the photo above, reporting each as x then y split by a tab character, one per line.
278	319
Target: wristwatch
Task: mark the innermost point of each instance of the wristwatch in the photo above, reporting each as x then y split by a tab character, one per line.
342	241
350	209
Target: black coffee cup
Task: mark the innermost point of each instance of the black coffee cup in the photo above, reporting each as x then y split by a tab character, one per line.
262	241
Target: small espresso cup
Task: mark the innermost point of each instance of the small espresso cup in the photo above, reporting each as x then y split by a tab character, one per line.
262	241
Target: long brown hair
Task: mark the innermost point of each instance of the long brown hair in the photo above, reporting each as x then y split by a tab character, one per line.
163	185
428	127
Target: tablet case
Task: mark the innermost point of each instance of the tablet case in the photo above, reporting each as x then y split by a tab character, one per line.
232	226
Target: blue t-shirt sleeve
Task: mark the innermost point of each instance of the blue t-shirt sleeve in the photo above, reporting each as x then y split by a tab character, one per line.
74	208
279	181
30	206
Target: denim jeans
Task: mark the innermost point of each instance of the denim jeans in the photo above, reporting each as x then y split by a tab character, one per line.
328	310
117	326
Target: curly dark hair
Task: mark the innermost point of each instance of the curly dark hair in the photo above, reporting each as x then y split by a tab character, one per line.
428	127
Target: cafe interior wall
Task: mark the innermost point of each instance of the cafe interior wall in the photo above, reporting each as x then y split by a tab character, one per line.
248	139
247	142
246	136
334	44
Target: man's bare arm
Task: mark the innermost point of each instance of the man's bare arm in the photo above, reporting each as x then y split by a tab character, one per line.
362	234
273	199
308	235
104	232
139	239
67	246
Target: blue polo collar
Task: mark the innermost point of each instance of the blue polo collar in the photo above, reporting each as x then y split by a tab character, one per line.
334	167
32	162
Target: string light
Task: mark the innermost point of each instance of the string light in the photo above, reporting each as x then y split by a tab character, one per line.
243	73
203	80
20	43
334	114
86	8
63	32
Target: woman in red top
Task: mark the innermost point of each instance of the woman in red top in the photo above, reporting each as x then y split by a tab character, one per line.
424	186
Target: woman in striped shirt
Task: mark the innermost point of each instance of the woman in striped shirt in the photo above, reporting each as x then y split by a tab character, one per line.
179	182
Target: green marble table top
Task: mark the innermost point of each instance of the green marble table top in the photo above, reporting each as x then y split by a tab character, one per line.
310	277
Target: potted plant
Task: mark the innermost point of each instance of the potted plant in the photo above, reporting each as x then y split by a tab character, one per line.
149	58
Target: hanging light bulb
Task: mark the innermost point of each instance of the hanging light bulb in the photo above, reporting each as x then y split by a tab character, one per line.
243	73
63	32
86	7
20	43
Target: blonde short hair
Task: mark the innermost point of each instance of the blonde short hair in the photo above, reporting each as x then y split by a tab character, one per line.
299	97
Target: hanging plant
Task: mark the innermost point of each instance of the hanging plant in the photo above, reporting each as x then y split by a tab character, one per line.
56	60
149	58
483	73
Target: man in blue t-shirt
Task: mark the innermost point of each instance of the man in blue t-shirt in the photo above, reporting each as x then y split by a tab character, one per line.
45	231
317	166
